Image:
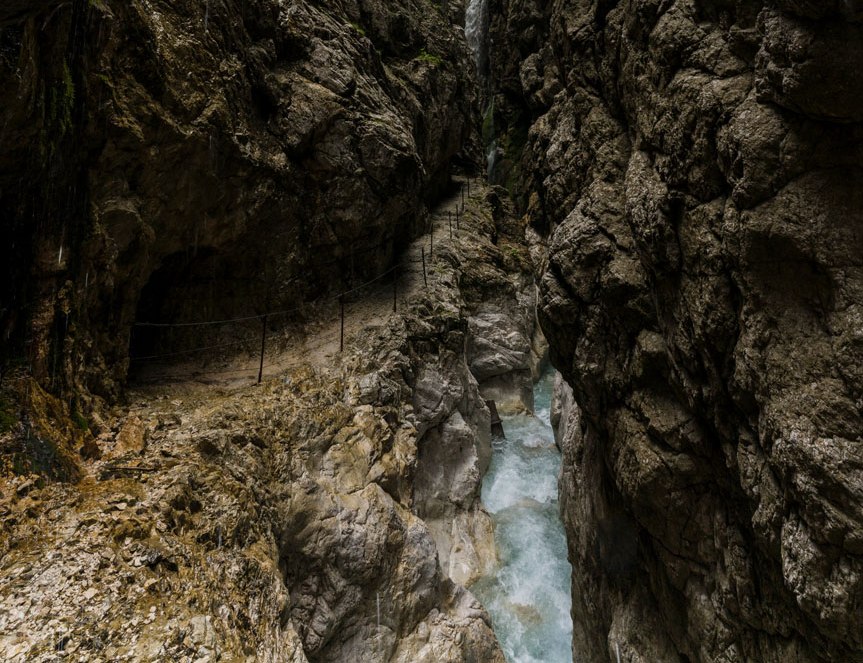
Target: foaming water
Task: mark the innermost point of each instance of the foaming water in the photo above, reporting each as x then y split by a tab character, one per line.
476	33
528	595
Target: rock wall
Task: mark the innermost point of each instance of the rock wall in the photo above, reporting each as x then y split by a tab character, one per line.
695	170
330	514
199	160
492	358
507	350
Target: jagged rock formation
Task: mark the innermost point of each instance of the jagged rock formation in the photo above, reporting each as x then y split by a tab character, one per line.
507	350
204	159
695	167
488	361
272	526
322	516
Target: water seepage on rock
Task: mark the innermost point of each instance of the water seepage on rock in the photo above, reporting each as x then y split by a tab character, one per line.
496	423
696	179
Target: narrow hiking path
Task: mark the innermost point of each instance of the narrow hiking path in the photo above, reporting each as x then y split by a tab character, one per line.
317	342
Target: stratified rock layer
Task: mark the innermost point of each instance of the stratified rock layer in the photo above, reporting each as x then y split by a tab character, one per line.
696	169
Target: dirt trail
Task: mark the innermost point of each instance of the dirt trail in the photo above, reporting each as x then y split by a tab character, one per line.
317	342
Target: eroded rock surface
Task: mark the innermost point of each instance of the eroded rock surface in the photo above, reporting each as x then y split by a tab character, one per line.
506	349
191	160
331	514
695	167
503	355
491	358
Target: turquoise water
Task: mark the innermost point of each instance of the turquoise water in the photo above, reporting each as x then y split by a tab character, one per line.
528	595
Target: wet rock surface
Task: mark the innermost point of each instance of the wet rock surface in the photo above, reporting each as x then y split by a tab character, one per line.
330	514
695	169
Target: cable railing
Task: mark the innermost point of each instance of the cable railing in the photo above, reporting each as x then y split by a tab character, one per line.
332	340
406	265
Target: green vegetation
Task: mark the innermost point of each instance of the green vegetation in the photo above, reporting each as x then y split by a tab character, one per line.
65	100
488	125
79	419
39	457
358	29
8	417
513	144
429	58
58	103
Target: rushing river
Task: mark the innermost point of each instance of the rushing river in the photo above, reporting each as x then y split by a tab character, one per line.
528	596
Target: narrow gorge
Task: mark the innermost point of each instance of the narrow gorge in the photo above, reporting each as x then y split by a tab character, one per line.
430	331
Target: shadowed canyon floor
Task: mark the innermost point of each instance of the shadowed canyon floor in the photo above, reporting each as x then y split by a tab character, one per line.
315	338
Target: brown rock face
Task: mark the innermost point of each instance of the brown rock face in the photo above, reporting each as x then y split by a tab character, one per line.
696	167
328	515
202	160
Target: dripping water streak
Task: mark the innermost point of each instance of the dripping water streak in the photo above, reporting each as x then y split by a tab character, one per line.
476	30
491	158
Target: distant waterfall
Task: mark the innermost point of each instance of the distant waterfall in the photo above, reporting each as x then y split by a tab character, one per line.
491	159
476	23
476	26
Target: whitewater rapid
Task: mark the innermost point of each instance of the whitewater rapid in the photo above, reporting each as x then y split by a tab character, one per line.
528	596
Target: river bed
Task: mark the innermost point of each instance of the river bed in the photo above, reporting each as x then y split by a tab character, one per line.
528	596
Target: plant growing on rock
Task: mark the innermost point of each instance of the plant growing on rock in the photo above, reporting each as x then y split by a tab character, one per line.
428	58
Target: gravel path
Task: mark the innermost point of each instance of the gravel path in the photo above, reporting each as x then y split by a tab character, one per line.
317	342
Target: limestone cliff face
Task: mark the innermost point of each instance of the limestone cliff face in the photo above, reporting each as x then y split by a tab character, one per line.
207	159
501	351
328	515
695	167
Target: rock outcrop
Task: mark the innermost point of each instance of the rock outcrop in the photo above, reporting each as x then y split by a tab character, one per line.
270	526
201	160
507	350
329	514
695	168
486	362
